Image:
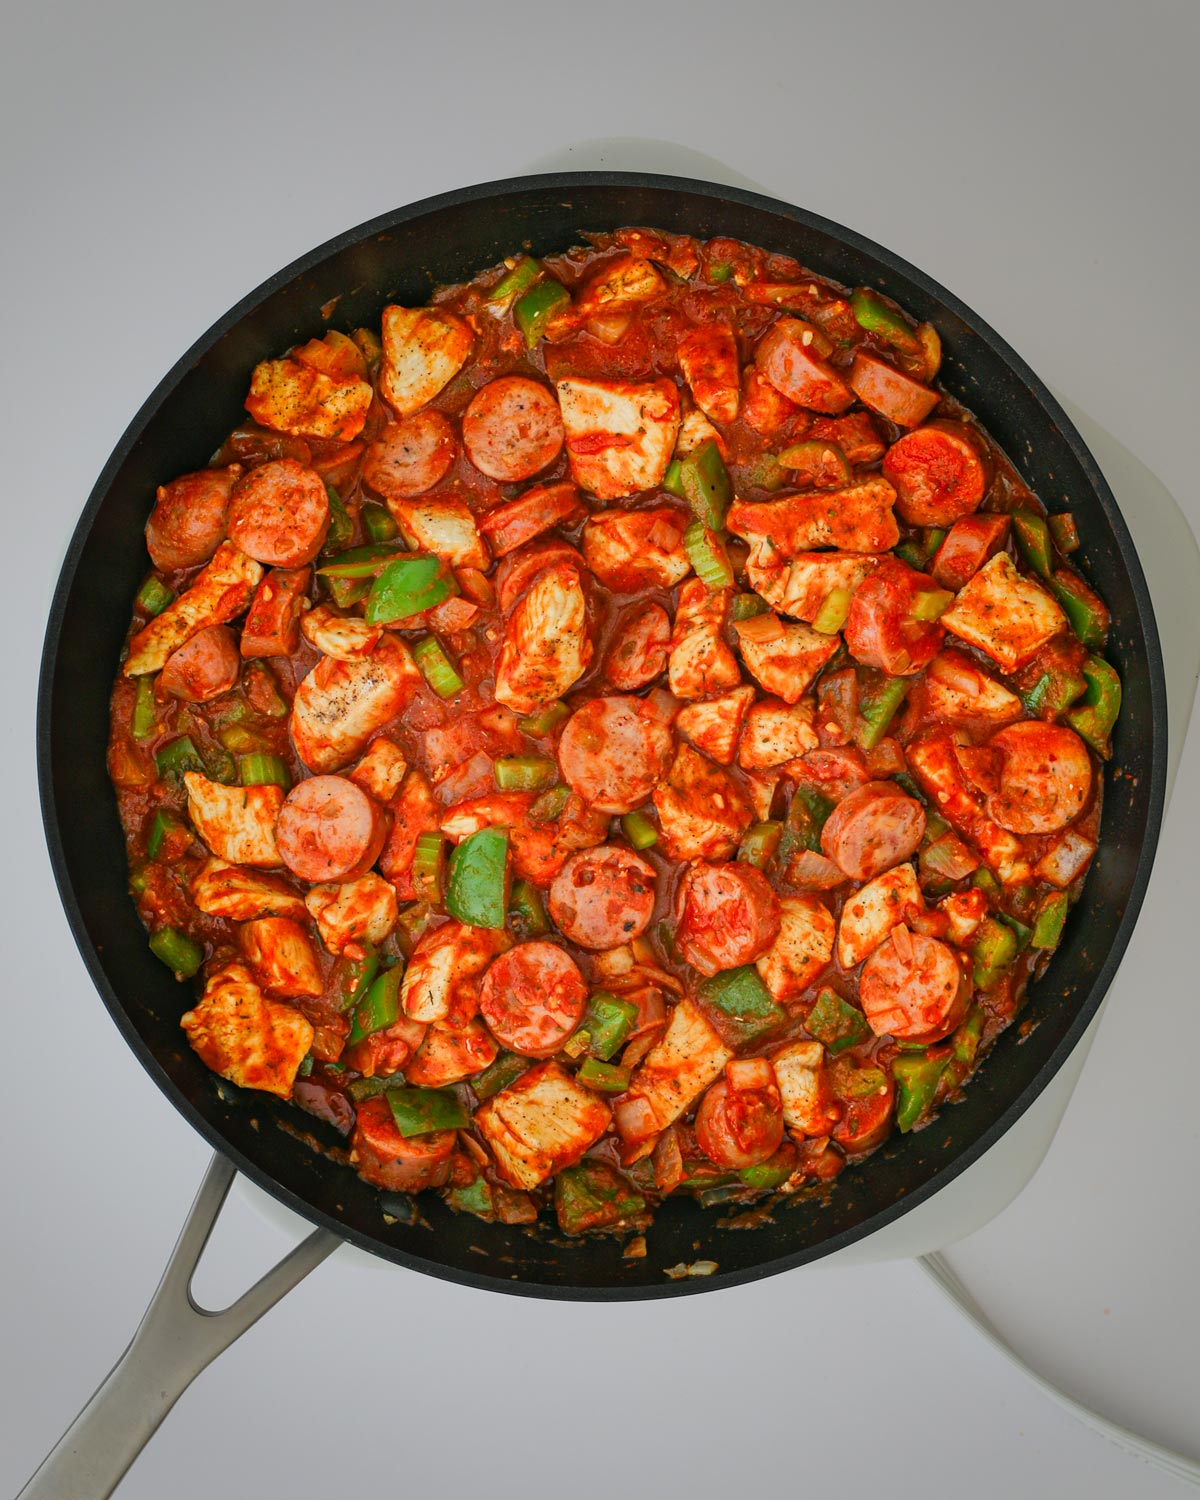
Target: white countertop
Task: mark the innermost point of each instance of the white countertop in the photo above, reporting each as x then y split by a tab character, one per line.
158	163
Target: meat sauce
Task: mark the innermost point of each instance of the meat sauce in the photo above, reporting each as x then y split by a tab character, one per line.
681	773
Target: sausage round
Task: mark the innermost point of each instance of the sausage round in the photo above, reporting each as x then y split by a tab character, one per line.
873	829
279	514
204	667
613	752
410	456
512	429
939	472
889	391
638	651
603	897
187	524
741	1127
385	1158
913	988
1045	777
532	998
880	629
329	829
727	914
866	1120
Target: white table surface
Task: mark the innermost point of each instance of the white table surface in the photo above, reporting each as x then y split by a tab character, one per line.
157	163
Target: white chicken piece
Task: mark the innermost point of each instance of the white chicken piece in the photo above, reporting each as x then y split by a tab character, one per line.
629	550
802	950
775	733
224	890
1004	614
354	911
219	592
445	527
424	348
787	665
857	518
236	822
871	912
620	433
341	704
678	1068
800	587
281	954
713	725
443	975
381	770
540	1124
446	1057
255	1042
700	810
954	689
708	357
701	661
808	1107
318	391
546	644
344	637
694	430
618	286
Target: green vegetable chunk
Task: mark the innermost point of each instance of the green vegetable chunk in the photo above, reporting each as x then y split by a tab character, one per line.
264	769
164	826
706	486
1049	922
363	562
833	612
475	1198
379	1007
607	1022
525	773
422	1111
875	316
917	1078
1095	717
534	310
519	279
436	668
177	951
542	723
742	996
673	479
1085	610
639	830
178	756
145	712
995	948
341	527
708	556
153	596
759	844
607	1078
477	888
506	1069
429	867
1033	540
407	586
354	978
378	524
593	1195
526	912
836	1024
878	708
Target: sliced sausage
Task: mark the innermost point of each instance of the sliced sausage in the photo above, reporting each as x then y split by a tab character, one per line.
187	524
881	630
202	668
940	472
740	1119
512	429
873	829
329	829
913	987
509	526
532	998
279	514
790	356
614	752
890	392
272	624
727	914
384	1158
637	653
970	542
866	1120
603	897
1045	777
410	456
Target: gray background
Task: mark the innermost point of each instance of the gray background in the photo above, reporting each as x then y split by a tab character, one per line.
158	163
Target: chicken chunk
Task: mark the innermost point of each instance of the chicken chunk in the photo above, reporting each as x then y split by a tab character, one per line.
1005	614
540	1124
800	587
446	1057
713	725
855	519
702	813
239	1033
311	394
775	733
694	430
546	643
344	637
341	704
423	349
678	1068
629	550
221	591
808	1107
620	434
280	952
955	690
787	665
444	527
802	950
381	770
871	912
236	822
701	660
619	285
355	911
225	890
443	976
708	357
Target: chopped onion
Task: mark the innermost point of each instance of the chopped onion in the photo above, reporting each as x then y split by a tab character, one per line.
1067	860
634	1118
813	872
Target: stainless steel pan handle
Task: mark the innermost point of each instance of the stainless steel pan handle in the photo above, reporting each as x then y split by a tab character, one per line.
175	1340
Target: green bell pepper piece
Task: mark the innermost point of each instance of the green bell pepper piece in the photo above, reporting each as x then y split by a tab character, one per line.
607	1022
877	709
475	1198
519	279
836	1024
1033	541
144	720
593	1195
745	1000
1064	531
422	1111
162	825
994	949
341	527
406	587
526	913
606	1078
379	1007
354	978
917	1079
768	1175
478	883
177	951
178	756
759	844
1084	609
875	316
706	486
363	562
746	606
378	524
1093	720
506	1069
1049	921
537	306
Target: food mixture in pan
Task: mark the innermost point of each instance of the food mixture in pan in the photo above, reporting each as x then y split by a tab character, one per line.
616	730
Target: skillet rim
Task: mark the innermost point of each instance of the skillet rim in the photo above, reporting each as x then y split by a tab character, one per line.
1156	728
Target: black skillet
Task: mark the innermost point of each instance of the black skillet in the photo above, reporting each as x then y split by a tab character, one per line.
399	258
